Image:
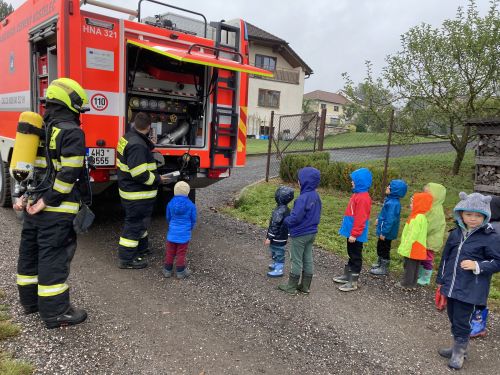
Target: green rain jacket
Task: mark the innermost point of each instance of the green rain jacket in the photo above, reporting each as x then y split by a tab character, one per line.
435	217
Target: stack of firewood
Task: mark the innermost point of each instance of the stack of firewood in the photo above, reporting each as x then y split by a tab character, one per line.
489	145
488	175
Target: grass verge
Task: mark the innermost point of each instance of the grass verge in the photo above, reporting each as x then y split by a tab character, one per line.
257	202
8	365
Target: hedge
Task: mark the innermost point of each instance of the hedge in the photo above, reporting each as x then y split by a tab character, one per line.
335	175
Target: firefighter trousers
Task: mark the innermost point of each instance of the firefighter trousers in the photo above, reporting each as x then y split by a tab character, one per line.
134	238
48	243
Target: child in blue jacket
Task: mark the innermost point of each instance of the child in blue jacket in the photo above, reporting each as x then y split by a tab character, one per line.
388	225
470	257
181	218
303	226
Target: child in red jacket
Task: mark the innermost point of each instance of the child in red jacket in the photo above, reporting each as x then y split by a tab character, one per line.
355	228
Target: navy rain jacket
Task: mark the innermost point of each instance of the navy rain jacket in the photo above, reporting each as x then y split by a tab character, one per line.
278	231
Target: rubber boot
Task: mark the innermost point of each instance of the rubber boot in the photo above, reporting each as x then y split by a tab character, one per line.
352	283
184	274
343	278
478	323
291	287
458	354
71	317
278	270
167	273
383	269
271	266
135	264
424	277
447	352
377	263
305	284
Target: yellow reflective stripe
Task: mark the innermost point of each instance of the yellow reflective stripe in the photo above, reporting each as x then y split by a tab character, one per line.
67	207
151	179
56	164
136	195
122	167
27	279
152	166
122	143
72	161
145	234
52	290
53	138
141	168
40	162
62	187
128	243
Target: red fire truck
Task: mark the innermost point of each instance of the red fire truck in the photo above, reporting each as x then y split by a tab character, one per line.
193	86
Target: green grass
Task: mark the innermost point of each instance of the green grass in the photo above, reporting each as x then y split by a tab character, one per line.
256	203
9	366
259	146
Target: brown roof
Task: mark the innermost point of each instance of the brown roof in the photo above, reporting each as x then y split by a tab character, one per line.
280	45
326	96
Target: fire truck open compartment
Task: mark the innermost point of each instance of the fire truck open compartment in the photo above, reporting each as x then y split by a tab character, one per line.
172	92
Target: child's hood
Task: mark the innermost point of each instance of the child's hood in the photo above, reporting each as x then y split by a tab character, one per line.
398	188
422	203
438	193
284	195
495	208
474	202
309	178
362	180
180	204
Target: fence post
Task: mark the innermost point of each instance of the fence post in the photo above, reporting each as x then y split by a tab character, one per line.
271	134
387	153
322	129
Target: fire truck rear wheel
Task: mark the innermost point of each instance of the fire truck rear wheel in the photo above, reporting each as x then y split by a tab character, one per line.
5	182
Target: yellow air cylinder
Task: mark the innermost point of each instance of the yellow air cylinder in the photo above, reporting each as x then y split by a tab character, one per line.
29	129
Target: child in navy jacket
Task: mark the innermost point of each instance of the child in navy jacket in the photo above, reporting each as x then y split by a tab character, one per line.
470	257
277	232
303	226
388	225
355	228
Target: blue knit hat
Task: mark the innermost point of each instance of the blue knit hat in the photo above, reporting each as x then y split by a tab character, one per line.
474	202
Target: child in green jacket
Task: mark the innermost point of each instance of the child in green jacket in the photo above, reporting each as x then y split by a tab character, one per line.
414	239
436	227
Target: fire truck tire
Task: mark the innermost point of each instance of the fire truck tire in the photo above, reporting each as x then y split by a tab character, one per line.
5	180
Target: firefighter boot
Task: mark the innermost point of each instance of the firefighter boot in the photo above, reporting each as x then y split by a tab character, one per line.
291	287
352	283
71	317
30	309
135	264
343	278
478	323
278	270
305	284
383	269
458	353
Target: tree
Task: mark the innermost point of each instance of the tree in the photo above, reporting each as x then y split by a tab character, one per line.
307	105
450	74
5	9
370	102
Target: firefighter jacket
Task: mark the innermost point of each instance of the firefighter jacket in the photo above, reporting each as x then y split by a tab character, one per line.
137	175
62	192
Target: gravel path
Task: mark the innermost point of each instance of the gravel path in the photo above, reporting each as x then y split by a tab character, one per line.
228	318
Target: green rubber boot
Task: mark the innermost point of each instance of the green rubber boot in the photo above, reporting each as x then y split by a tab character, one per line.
291	287
305	284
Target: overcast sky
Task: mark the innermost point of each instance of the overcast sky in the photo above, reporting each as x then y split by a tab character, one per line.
331	36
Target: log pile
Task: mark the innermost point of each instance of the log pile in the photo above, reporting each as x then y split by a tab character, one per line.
489	145
488	175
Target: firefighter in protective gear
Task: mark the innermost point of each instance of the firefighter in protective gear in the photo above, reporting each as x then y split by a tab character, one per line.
48	241
138	181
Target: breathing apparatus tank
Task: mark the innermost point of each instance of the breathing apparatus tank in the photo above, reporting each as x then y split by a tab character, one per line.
29	131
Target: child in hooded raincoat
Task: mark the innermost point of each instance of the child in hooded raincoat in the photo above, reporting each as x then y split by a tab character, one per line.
470	257
303	226
181	218
355	228
435	231
277	232
414	239
480	316
388	225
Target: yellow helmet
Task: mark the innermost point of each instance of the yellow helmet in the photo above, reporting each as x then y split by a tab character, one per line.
69	93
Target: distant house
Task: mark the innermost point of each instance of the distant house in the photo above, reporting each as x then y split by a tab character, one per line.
334	104
282	93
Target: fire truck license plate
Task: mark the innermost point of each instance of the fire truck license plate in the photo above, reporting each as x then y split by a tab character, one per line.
103	157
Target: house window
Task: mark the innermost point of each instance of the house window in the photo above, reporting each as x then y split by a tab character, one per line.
269	98
335	108
323	106
265	62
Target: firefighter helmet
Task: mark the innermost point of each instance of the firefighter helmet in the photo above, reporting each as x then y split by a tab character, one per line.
69	93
